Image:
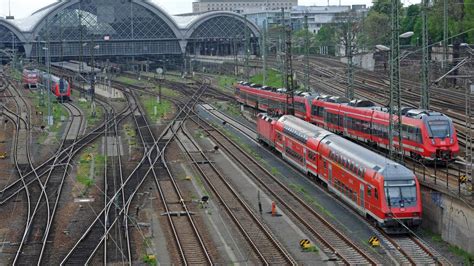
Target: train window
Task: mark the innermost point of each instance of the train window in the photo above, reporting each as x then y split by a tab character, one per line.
369	191
325	164
376	193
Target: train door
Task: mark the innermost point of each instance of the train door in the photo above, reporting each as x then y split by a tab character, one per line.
362	196
330	181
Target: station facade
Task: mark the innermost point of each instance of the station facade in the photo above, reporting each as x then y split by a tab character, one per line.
118	29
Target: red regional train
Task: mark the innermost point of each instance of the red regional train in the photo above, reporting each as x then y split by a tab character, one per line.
426	135
382	190
30	78
60	87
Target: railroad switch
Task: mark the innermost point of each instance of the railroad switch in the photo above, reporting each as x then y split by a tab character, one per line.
374	241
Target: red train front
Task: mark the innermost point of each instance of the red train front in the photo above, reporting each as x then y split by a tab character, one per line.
60	87
381	190
30	78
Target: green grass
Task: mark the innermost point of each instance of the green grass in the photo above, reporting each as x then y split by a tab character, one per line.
226	82
274	79
91	120
57	110
149	261
162	108
309	199
468	257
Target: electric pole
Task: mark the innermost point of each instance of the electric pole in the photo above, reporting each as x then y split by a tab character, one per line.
350	70
445	35
264	52
425	93
395	108
289	82
306	53
282	46
247	49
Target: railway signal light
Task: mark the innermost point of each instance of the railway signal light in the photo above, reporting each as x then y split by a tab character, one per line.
374	241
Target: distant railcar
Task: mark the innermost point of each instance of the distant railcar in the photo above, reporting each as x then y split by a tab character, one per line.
60	87
30	78
381	190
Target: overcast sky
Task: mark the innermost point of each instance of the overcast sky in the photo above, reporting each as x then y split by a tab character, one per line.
22	8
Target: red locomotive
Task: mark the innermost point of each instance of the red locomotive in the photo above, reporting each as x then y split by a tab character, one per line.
381	190
426	135
30	78
60	87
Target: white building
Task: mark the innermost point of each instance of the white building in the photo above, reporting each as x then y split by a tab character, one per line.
317	15
242	6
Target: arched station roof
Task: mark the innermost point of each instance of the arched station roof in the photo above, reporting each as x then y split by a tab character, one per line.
6	31
216	24
140	25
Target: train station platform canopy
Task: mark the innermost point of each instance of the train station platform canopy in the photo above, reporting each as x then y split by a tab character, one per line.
113	28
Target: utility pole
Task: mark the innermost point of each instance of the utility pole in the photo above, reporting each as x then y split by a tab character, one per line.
306	53
264	52
247	49
425	90
282	48
395	119
445	35
469	113
350	69
289	82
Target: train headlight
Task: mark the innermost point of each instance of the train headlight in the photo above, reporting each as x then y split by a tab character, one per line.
416	214
451	141
433	141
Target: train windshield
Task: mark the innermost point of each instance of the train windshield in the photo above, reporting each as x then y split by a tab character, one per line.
400	193
439	128
63	86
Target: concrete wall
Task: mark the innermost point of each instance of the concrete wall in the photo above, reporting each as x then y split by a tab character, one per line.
365	61
449	217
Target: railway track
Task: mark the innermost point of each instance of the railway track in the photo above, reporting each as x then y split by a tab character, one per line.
405	249
335	244
85	248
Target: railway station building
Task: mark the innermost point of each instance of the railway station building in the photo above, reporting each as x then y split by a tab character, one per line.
122	30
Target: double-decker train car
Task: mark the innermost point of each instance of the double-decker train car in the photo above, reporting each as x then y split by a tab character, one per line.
60	87
426	135
379	189
30	78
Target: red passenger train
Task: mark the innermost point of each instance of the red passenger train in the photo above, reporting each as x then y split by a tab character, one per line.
60	87
30	78
426	135
381	190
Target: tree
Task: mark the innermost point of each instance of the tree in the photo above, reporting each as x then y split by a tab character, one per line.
376	29
326	36
469	19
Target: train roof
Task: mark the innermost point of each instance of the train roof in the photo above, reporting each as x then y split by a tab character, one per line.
366	158
302	127
357	154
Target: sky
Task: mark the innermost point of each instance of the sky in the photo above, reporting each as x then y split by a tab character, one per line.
23	8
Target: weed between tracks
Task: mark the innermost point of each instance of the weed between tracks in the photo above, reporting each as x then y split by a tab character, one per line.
90	161
154	110
467	257
88	112
274	79
300	189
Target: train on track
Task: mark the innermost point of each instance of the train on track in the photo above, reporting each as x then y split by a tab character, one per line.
426	135
30	78
383	191
60	87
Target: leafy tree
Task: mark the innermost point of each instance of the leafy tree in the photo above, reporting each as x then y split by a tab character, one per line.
326	36
376	29
469	19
